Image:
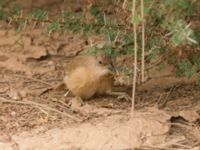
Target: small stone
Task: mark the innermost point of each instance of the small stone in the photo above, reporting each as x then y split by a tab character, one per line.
23	93
2	33
13	94
36	52
13	113
26	42
50	63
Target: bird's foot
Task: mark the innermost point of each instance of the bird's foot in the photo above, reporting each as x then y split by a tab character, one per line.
76	103
120	95
124	96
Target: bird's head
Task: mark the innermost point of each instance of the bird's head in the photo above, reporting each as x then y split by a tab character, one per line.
106	63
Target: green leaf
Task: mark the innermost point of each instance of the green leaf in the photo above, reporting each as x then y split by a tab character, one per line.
198	81
87	29
40	14
162	66
190	73
20	26
177	38
93	50
17	9
3	15
137	19
186	68
94	10
54	26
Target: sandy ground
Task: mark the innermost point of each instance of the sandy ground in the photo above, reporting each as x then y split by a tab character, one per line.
34	116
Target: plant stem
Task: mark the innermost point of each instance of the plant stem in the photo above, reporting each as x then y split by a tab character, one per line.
135	59
143	41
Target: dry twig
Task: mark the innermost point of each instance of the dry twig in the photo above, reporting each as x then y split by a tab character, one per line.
38	105
33	79
124	4
163	102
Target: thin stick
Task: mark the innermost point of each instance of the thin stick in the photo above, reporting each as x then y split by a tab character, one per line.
143	41
10	21
124	4
116	37
34	79
104	18
27	102
135	59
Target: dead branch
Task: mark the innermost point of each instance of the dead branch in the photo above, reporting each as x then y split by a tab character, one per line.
33	79
38	105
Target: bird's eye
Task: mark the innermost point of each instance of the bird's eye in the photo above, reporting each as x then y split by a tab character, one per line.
100	62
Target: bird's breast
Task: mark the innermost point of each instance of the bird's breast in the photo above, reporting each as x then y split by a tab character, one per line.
82	82
105	84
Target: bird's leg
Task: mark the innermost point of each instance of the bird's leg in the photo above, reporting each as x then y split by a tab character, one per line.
78	106
121	95
66	94
60	86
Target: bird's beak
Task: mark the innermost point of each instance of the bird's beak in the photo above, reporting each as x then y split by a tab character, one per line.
112	68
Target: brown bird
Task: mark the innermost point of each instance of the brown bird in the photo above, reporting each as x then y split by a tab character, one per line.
89	75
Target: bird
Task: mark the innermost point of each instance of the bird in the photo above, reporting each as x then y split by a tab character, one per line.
90	75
